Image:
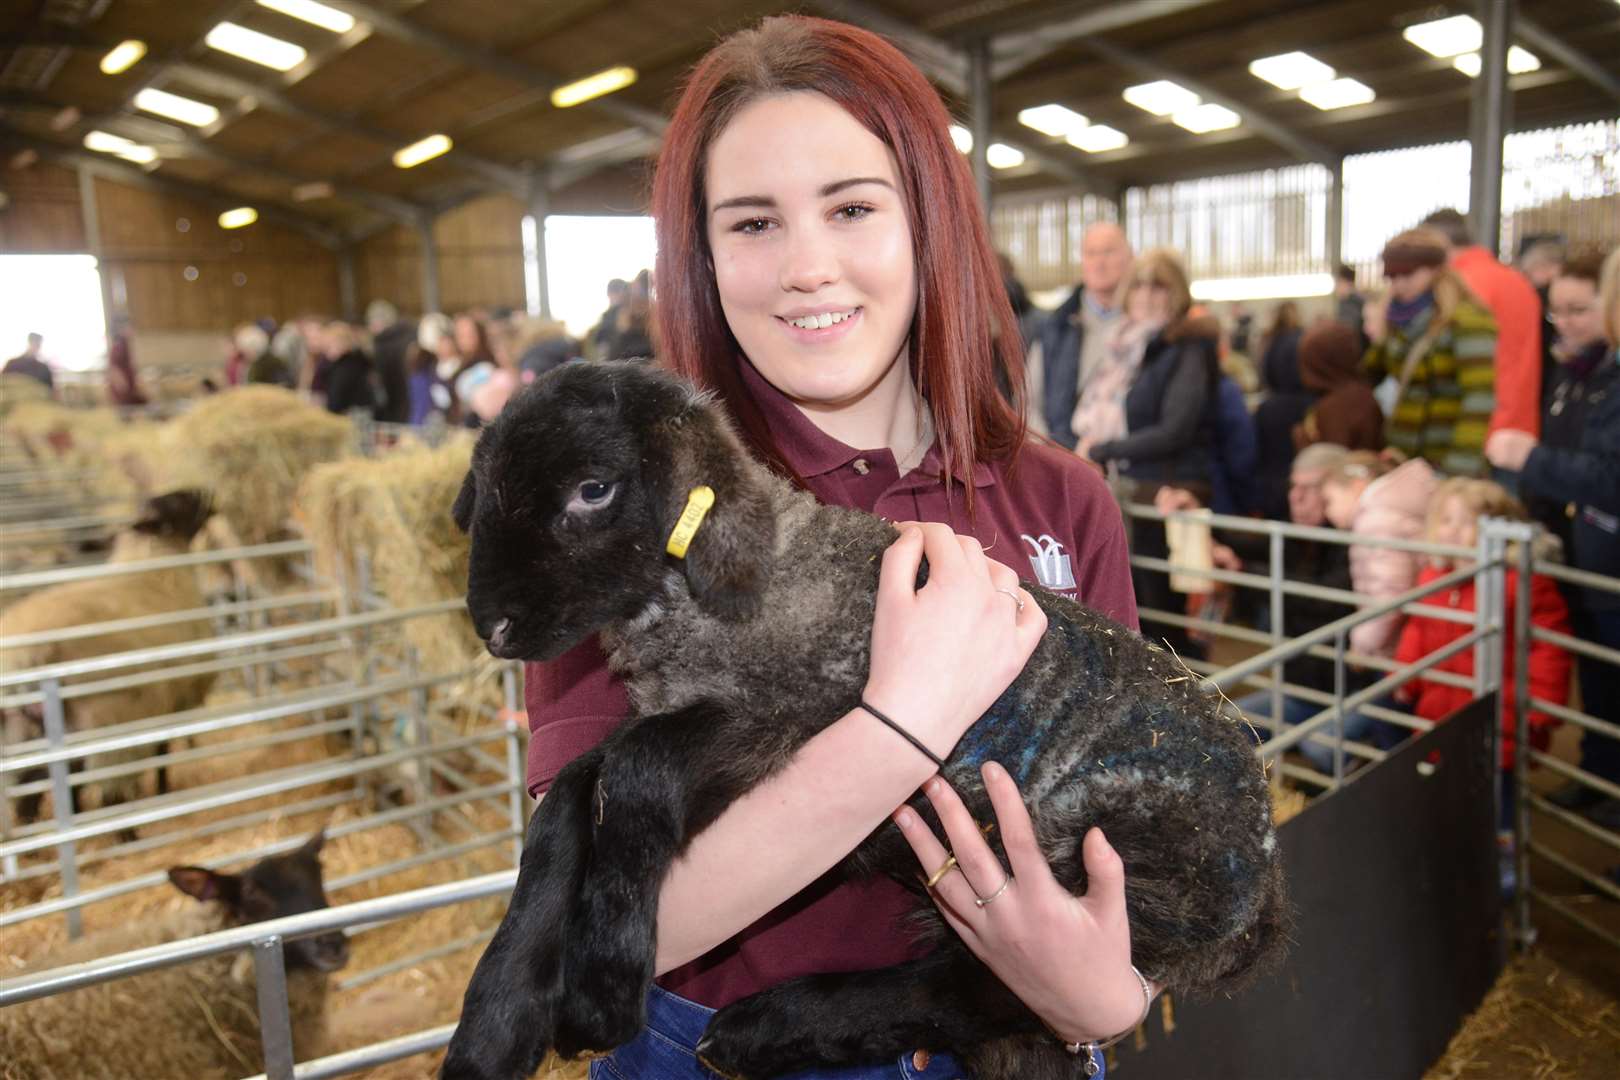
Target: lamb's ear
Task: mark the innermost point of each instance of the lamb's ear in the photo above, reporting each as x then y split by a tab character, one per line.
462	510
312	846
204	884
729	560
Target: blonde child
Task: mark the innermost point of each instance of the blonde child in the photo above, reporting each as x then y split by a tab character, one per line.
1453	519
1372	499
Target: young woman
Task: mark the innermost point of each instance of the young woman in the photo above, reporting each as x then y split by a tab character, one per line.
824	267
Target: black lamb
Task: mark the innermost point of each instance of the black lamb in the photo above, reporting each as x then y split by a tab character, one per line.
734	657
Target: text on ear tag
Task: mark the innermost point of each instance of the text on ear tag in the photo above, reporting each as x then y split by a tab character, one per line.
697	506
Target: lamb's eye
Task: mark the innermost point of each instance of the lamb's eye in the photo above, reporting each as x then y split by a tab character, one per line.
591	495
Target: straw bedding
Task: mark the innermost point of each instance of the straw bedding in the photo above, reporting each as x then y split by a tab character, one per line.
425	995
1540	1022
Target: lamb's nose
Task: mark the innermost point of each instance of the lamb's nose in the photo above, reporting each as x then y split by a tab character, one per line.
497	636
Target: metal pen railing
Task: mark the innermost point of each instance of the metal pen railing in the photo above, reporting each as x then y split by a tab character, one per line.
1503	546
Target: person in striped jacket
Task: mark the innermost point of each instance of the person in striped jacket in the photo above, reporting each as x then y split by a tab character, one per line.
1437	342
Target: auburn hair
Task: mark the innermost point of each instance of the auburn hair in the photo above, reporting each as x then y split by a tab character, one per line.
964	338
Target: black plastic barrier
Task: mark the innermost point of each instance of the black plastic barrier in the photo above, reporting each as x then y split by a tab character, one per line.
1398	933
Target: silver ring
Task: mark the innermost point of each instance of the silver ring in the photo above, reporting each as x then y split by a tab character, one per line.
987	901
1019	600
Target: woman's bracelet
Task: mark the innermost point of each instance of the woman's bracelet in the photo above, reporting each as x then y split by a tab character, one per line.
1089	1047
908	736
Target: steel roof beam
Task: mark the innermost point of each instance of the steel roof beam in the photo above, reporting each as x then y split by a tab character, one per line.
1556	48
502	176
387	205
1301	146
947	66
135	176
1017	51
494	63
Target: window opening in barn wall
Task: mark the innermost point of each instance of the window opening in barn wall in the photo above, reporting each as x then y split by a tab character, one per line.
58	296
587	252
1264	234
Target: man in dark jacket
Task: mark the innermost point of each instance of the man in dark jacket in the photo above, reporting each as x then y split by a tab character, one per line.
350	381
391	341
29	365
1069	344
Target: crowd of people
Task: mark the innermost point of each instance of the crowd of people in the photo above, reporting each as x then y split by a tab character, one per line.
457	369
1466	388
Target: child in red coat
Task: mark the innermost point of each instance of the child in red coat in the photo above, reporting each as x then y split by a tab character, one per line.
1454	515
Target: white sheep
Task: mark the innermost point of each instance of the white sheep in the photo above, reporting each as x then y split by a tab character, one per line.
166	527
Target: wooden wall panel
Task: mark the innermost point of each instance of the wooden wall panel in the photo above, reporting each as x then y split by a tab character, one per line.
480	248
180	271
43	217
388	266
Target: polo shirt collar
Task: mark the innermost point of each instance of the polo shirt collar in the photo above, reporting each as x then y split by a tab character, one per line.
812	452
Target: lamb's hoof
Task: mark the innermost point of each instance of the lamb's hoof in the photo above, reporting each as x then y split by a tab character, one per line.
498	1044
745	1041
602	1011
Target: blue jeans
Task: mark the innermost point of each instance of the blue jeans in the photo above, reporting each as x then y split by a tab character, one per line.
1358	727
665	1051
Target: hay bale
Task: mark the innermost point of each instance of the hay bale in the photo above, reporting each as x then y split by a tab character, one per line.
250	447
16	390
118	454
394	512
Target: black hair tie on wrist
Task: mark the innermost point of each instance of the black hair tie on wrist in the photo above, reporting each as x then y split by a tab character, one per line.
908	736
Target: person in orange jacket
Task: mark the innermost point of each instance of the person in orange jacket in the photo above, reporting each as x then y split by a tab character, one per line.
1516	307
1454	515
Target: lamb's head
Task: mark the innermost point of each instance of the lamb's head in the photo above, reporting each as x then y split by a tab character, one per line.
272	888
177	516
572	496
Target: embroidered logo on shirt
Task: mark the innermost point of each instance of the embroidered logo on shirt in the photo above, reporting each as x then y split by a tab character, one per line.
1052	567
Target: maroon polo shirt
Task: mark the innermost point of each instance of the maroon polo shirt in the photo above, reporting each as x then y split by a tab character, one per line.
1053	521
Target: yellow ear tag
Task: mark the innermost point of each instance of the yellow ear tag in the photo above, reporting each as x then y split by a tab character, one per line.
697	507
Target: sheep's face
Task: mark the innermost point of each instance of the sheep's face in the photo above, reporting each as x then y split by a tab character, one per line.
274	888
572	494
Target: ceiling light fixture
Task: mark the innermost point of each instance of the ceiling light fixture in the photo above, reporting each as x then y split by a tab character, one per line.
105	142
1291	70
122	57
327	18
1161	98
1002	156
1446	37
1201	119
1338	94
1054	120
1097	138
423	150
962	137
236	219
1519	62
259	48
175	107
315	189
593	86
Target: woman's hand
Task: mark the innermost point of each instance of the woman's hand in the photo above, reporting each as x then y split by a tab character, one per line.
1068	958
1510	449
1168	500
1225	558
942	654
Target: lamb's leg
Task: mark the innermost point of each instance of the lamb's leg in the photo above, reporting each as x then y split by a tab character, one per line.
944	1001
665	778
509	1013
